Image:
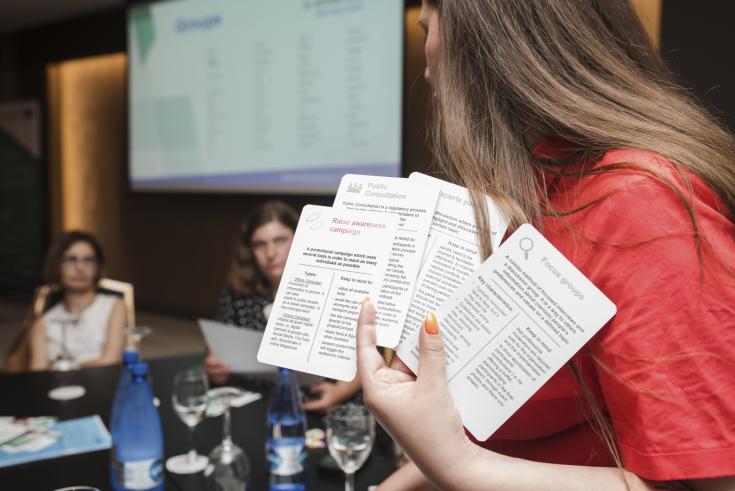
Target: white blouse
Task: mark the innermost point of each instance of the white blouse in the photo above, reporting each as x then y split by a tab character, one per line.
86	332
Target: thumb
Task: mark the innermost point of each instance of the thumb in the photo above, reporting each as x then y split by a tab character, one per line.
431	351
368	358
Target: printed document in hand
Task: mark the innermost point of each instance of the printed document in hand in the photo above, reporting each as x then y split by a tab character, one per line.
452	254
337	258
238	349
234	346
512	324
414	204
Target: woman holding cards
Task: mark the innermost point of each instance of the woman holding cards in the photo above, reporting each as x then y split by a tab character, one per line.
246	300
563	112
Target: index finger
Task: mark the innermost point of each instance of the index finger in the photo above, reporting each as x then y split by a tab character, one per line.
368	359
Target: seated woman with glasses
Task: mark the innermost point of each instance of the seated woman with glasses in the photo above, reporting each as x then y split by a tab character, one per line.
85	328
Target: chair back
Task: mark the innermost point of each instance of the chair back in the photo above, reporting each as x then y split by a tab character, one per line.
126	291
46	296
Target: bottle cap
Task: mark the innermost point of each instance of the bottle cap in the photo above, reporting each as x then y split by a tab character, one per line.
130	357
139	368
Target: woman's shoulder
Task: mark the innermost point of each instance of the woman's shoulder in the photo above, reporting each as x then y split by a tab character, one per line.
108	301
56	313
638	205
105	305
644	190
643	174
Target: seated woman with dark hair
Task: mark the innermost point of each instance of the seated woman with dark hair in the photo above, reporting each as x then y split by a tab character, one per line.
252	282
257	266
86	326
253	279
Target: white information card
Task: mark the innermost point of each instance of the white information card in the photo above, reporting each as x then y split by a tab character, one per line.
512	325
337	258
452	255
414	206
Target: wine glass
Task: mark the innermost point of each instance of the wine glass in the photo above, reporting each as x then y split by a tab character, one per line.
190	403
134	337
65	361
350	436
229	467
63	364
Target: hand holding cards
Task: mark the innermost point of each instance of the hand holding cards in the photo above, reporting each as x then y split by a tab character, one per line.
511	326
508	323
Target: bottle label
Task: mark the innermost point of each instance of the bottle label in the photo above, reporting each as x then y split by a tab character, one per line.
286	460
140	474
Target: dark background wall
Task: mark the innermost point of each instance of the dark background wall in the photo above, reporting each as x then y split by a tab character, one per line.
177	247
697	39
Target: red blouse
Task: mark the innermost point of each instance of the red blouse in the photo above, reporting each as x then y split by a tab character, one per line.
667	372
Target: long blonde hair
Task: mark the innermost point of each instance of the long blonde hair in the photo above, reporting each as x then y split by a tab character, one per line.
584	71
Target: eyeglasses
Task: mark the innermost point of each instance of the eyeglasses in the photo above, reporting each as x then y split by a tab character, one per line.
83	260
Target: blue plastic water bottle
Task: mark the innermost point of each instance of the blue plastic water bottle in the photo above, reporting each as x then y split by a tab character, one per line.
285	435
139	448
128	359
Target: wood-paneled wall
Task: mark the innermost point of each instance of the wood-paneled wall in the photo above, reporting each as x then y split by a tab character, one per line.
87	123
649	11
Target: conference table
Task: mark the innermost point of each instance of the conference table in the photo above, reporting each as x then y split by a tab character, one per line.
26	395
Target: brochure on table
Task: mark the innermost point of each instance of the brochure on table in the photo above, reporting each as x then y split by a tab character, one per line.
68	437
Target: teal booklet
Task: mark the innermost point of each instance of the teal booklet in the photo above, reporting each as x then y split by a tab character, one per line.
31	439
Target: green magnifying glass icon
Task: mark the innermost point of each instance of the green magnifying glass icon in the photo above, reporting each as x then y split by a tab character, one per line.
526	244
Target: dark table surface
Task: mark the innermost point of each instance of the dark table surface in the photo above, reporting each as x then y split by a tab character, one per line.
26	395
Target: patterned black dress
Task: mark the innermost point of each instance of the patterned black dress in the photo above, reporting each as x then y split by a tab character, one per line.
242	311
247	312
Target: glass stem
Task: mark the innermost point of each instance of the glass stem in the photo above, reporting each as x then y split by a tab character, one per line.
63	339
226	439
349	481
192	452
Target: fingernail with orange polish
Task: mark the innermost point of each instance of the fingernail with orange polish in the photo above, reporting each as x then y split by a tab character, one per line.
431	325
